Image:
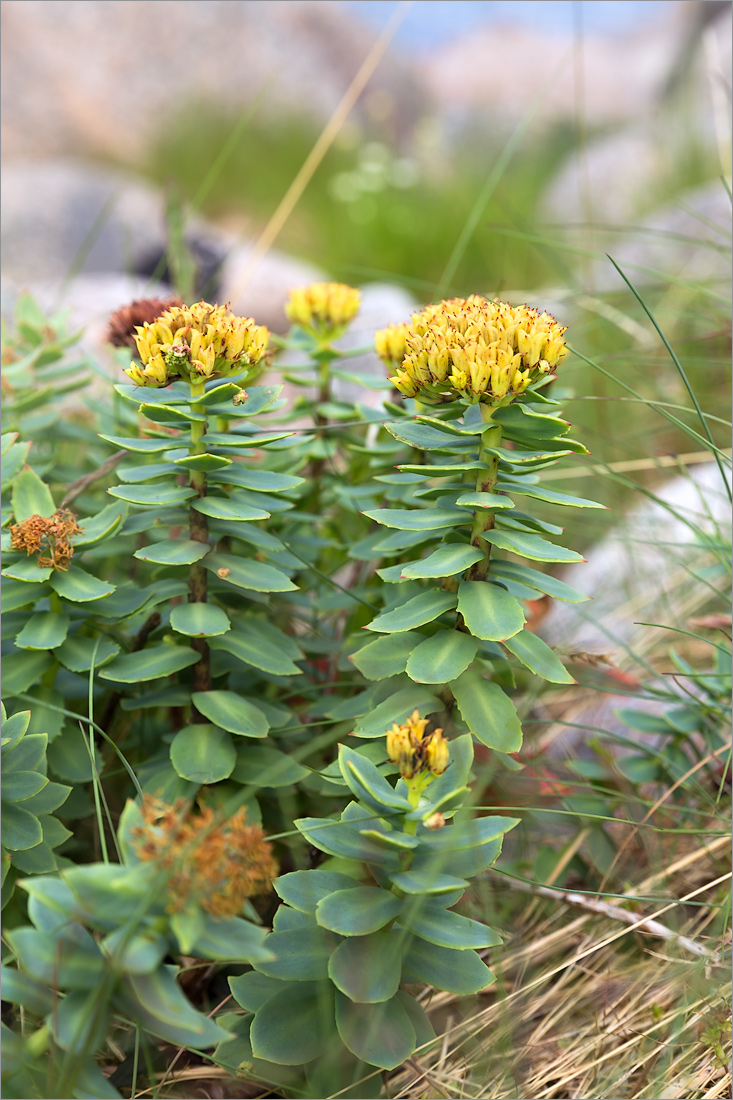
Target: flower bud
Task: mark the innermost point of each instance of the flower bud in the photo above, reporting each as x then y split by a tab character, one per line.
324	309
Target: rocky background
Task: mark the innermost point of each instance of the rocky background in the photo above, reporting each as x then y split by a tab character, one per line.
88	86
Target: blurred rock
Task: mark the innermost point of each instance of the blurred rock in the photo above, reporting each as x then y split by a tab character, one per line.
60	215
649	557
101	76
511	73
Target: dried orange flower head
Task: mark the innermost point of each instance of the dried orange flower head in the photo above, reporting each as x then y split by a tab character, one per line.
325	309
49	537
209	861
414	751
196	343
143	311
475	349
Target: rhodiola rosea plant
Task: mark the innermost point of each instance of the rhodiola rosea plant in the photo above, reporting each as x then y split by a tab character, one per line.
244	622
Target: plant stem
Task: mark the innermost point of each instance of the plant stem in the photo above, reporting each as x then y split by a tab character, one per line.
483	518
199	531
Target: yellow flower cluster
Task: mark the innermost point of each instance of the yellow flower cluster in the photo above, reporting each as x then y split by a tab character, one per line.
196	343
391	343
472	348
415	753
325	309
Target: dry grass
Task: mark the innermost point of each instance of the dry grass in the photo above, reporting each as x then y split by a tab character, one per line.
585	1006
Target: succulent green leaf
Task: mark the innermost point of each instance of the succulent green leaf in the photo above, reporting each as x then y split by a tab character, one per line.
78	586
530	546
17	594
68	959
466	862
262	766
396	708
538	657
387	656
230	939
492	501
440	926
21	785
20	828
259	481
254	650
467	834
418	519
175	552
297	955
199	620
429	883
147	472
367	968
44	630
203	754
204	462
242	440
79	1023
538	492
489	611
253	989
444	562
231	712
28	571
149	664
533	578
97	528
141	446
430	437
228	508
488	712
77	651
19	989
340	838
421	609
21	670
164	493
358	910
169	414
460	972
442	658
28	754
137	953
367	784
48	799
394	840
294	1026
14	728
248	573
304	889
518	419
157	1003
31	496
379	1034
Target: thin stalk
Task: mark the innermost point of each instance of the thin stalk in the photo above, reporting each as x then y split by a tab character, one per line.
199	532
483	518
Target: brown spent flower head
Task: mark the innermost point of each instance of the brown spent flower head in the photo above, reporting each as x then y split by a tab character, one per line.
413	751
325	309
143	311
51	534
477	350
196	343
216	864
